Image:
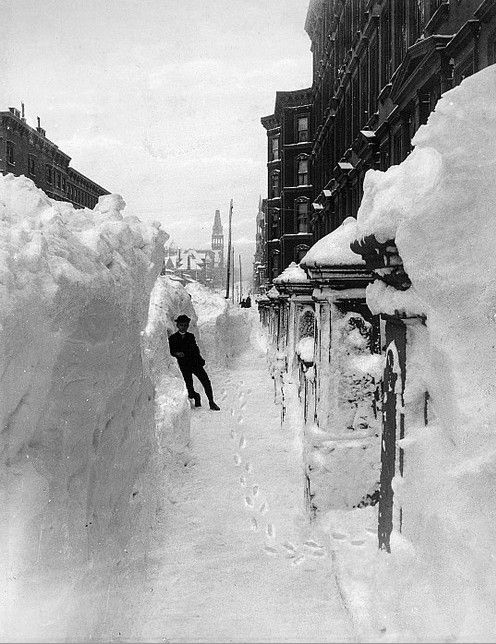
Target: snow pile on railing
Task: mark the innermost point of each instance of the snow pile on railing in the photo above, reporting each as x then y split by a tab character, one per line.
334	248
293	273
77	405
439	207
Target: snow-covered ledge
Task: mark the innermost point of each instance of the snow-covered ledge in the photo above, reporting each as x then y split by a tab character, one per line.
293	282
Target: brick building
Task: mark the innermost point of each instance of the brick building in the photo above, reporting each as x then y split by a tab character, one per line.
287	230
27	151
379	67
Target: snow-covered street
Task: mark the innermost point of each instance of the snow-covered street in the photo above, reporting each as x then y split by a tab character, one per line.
235	559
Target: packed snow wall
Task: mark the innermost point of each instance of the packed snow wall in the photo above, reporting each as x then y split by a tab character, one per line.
172	412
438	206
79	440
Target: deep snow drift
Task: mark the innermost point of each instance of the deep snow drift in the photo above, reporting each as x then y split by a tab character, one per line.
81	453
438	206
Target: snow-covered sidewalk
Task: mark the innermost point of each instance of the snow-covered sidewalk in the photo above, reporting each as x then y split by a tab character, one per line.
235	558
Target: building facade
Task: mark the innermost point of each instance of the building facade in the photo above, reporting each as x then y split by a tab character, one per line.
287	230
379	68
259	260
27	151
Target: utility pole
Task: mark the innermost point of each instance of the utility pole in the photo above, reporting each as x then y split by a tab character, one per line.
229	252
233	276
240	280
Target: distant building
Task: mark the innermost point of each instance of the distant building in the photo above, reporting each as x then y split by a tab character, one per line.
27	151
289	183
202	265
260	260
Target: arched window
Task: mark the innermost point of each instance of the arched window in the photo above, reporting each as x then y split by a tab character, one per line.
301	215
302	169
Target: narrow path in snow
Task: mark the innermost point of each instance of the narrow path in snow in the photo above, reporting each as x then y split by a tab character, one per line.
238	561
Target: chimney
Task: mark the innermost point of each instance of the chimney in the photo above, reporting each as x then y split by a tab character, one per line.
22	112
39	129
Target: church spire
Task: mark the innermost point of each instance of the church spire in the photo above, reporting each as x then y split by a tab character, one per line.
217	233
217	228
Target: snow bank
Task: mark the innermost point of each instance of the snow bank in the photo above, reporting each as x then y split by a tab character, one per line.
439	207
334	248
77	399
172	411
209	305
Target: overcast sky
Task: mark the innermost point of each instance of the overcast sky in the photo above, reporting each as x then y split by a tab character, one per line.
159	100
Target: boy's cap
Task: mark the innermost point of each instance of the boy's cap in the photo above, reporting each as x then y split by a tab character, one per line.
183	318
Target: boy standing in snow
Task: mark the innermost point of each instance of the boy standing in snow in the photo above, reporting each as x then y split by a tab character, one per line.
184	348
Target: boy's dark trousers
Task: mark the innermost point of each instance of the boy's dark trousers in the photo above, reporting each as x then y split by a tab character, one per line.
202	376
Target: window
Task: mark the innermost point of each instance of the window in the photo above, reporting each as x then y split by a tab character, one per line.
48	174
303	171
274	148
302	129
58	179
491	49
275	184
31	165
301	251
10	153
302	216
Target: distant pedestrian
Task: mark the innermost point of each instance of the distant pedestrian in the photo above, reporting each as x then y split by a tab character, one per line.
248	302
184	348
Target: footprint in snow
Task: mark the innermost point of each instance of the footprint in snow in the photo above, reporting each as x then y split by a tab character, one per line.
233	434
242	480
237	459
338	536
357	542
248	467
243	405
232	411
287	545
298	560
318	553
255	490
241	420
248	392
249	501
263	508
270	550
254	524
371	531
242	442
271	531
312	544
